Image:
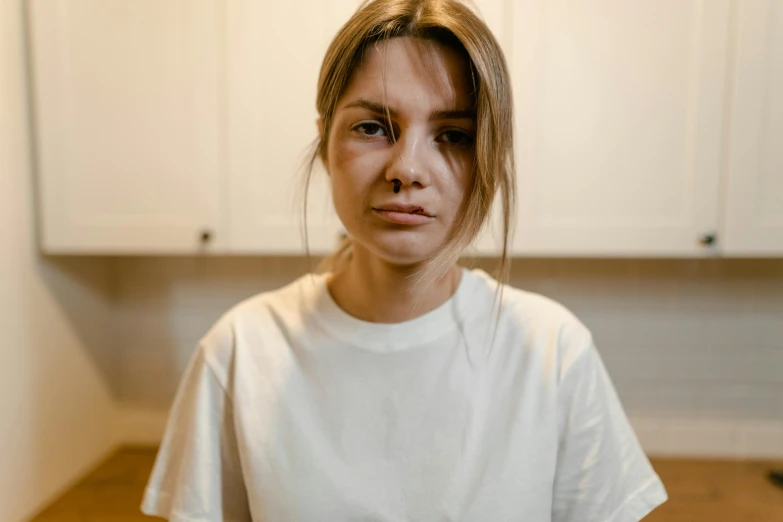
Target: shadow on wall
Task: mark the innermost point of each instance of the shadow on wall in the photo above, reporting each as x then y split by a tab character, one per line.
85	290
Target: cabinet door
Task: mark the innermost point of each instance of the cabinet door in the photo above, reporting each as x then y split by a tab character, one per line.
126	104
754	197
619	119
274	53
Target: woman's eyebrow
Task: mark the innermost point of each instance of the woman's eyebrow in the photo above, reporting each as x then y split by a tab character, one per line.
379	108
373	107
454	114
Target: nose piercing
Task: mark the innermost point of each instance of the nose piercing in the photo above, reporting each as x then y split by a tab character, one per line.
397	185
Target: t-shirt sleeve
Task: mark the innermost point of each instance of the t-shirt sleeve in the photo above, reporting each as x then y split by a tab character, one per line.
603	474
197	475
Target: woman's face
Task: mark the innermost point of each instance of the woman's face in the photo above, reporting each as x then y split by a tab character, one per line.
400	200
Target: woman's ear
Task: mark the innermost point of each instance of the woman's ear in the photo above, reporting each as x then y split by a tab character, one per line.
320	123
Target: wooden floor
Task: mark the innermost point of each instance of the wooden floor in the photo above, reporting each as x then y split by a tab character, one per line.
699	491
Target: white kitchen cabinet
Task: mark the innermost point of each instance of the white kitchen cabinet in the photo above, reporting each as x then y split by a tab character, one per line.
126	97
619	124
273	57
163	122
754	185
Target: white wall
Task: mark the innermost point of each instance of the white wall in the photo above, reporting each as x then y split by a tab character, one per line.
56	411
695	347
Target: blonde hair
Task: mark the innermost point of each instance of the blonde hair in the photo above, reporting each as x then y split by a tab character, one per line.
454	24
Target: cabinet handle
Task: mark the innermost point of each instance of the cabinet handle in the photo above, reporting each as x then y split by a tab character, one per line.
206	236
708	239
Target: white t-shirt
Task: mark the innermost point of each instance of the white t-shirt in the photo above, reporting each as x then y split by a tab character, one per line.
291	410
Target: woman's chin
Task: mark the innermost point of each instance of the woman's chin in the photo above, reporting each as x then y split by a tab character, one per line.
403	250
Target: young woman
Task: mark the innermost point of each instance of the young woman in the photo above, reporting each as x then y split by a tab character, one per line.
397	386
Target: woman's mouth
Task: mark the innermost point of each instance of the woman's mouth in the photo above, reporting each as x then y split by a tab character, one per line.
403	214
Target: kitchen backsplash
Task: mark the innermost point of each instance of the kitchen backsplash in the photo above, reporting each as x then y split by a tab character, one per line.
693	338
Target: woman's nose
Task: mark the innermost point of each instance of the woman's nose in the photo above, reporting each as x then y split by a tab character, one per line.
409	163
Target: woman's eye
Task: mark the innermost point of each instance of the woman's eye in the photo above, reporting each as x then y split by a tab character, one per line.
370	129
455	137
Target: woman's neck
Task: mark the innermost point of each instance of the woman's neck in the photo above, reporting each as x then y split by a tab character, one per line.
373	290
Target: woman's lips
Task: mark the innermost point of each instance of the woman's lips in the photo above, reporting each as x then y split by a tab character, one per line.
404	214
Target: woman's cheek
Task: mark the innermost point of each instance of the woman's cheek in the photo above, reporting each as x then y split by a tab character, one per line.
358	164
348	184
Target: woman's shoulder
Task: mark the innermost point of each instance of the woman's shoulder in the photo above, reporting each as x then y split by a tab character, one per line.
257	314
536	318
525	305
